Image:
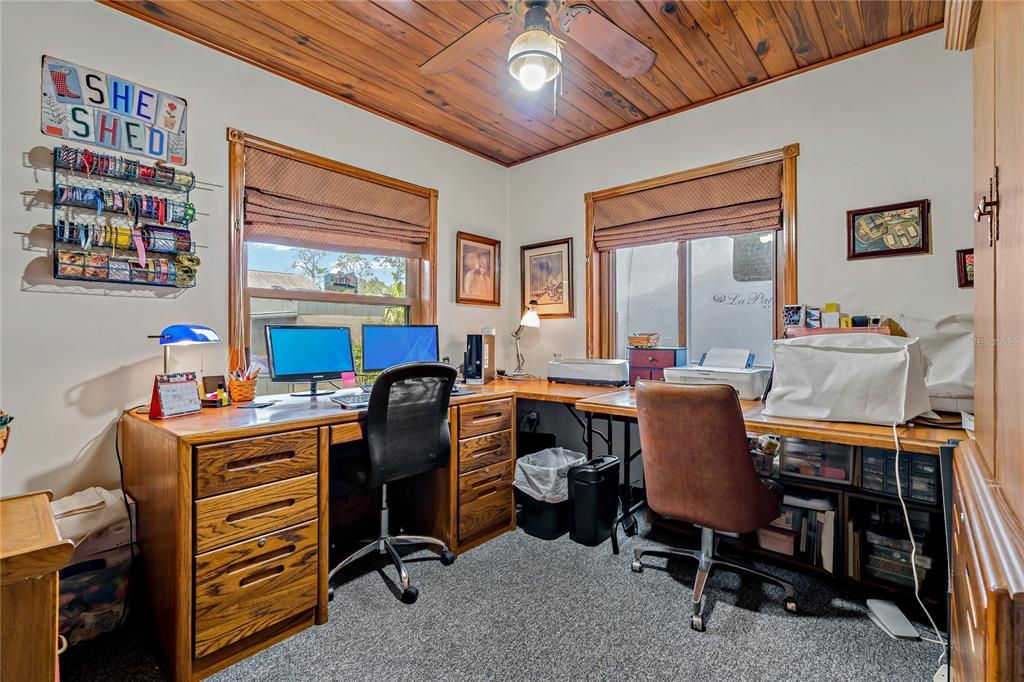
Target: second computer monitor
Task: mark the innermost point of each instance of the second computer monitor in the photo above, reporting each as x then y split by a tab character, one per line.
389	345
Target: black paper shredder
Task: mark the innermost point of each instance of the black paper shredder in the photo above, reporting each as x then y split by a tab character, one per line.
593	500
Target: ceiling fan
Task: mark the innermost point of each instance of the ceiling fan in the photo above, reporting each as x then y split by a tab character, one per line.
535	57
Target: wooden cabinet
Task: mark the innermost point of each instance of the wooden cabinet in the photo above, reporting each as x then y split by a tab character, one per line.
485	469
31	553
987	615
650	363
987	553
230	536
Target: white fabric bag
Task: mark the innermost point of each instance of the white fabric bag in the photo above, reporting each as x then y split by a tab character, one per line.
949	345
868	378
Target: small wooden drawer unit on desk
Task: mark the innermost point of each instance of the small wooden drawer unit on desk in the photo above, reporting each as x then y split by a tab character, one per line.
230	537
650	363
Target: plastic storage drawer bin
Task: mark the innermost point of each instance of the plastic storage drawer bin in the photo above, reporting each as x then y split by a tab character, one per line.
813	459
919	474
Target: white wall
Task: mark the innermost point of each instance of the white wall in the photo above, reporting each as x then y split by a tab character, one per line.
72	358
890	125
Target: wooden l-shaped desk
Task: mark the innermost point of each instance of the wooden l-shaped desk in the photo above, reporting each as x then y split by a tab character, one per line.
233	504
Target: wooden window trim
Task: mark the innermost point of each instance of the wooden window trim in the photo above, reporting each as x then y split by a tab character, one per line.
600	266
421	298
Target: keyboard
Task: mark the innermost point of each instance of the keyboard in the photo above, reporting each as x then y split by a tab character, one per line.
459	389
352	401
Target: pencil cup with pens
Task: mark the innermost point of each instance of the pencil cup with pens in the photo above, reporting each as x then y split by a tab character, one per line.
242	384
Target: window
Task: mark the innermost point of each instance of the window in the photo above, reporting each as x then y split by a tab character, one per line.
721	296
705	258
361	253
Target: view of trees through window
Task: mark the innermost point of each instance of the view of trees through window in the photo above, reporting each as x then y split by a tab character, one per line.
317	277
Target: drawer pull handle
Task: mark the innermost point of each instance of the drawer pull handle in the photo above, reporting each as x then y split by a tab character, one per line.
483	453
261	576
260	460
485	493
259	511
485	481
272	555
487	417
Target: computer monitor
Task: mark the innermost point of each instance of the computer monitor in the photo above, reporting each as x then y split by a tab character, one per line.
389	345
298	354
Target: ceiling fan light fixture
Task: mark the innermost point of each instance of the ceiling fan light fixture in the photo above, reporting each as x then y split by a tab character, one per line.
535	58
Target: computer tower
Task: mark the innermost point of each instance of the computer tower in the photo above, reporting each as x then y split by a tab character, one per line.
478	363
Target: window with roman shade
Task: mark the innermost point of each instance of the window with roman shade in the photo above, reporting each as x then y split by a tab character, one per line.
291	202
316	241
736	218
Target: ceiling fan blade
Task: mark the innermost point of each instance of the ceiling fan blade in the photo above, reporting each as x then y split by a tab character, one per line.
469	43
606	41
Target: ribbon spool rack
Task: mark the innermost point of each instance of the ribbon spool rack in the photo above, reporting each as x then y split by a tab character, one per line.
107	228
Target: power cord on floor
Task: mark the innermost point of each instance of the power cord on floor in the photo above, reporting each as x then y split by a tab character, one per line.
913	551
127	508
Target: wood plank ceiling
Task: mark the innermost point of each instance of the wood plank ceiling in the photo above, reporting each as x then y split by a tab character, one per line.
368	53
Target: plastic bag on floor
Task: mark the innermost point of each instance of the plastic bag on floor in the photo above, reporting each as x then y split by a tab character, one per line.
544	475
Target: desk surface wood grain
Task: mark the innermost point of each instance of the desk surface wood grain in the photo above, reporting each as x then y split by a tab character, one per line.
288	412
918	439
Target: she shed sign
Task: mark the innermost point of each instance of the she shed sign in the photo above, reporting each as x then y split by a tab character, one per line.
90	106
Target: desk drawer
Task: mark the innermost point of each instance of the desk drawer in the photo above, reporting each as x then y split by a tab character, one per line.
246	587
485	500
477	419
645	358
241	464
482	451
482	482
236	516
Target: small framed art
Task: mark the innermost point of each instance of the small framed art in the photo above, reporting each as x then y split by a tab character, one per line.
890	230
477	270
545	271
965	268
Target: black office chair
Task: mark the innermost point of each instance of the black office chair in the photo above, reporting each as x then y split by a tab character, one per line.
406	434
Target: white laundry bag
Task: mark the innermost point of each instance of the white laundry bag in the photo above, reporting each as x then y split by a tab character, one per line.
868	378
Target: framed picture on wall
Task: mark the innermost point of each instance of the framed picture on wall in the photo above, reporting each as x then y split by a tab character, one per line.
965	268
477	270
890	230
546	277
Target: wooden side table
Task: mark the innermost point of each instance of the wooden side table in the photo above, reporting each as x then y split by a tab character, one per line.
31	553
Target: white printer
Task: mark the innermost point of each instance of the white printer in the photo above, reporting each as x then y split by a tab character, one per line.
589	371
730	366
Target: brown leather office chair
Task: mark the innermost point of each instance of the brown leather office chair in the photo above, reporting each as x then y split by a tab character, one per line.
697	468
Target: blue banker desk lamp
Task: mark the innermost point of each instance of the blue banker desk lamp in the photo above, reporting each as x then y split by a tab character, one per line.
183	335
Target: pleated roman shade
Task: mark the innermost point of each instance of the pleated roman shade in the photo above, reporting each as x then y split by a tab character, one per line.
734	202
292	203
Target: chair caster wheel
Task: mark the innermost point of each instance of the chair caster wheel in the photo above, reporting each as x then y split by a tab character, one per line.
637	566
790	604
697	623
447	558
410	595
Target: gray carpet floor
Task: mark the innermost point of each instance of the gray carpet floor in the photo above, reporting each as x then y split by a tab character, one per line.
520	608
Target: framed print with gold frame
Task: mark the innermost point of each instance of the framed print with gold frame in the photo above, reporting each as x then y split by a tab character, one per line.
545	271
477	270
